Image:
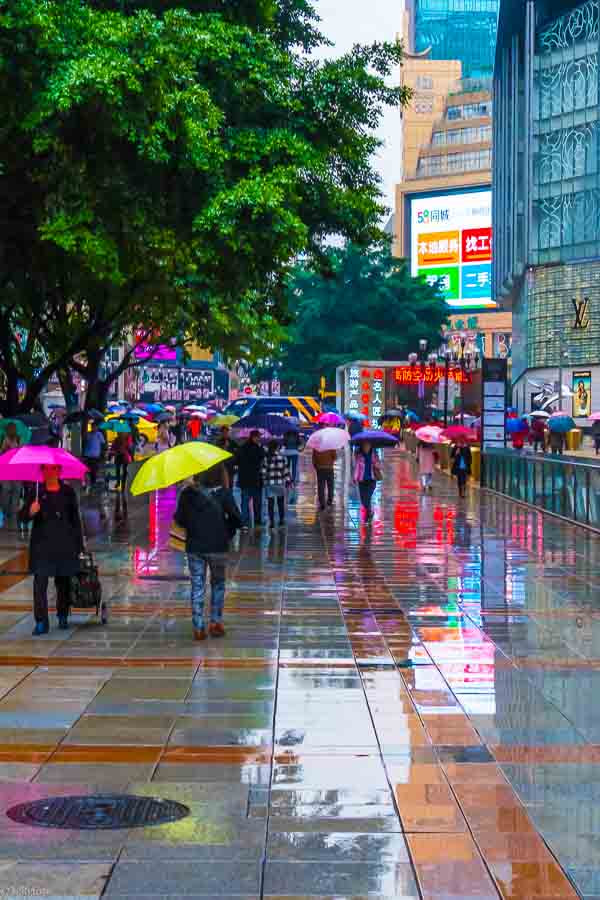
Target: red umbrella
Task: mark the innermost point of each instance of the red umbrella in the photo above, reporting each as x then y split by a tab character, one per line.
459	432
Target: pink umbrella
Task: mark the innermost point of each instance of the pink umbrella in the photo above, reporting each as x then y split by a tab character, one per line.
25	463
594	417
328	439
330	418
429	434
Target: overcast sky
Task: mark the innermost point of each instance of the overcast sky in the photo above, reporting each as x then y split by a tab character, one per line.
347	22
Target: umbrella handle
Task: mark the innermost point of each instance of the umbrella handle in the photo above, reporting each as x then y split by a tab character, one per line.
37	491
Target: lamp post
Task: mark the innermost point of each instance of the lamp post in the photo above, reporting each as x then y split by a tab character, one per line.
446	358
467	362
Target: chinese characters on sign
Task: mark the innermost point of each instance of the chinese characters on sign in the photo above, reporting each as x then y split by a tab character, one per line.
430	375
353	390
451	246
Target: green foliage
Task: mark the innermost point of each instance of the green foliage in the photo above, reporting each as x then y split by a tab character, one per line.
164	163
367	306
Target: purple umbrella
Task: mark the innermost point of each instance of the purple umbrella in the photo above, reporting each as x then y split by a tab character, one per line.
376	438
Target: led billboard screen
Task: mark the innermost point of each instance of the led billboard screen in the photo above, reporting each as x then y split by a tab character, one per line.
451	245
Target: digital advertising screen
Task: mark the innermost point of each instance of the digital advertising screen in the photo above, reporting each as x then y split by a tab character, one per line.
451	246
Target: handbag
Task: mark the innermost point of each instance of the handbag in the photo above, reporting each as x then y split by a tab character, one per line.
177	537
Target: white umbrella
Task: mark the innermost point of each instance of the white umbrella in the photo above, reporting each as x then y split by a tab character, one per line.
538	414
328	439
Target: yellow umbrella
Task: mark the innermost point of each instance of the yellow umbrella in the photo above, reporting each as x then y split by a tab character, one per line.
220	421
177	464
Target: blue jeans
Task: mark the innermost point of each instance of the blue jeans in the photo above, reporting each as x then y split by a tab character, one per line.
198	565
254	495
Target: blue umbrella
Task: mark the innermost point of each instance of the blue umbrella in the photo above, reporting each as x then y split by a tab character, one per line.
516	426
561	422
376	438
412	416
270	422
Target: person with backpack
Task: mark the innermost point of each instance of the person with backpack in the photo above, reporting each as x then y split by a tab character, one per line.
210	517
276	479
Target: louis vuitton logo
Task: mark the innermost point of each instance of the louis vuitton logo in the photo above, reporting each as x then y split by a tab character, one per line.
582	315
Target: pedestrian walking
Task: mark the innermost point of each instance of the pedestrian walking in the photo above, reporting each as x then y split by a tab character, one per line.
121	450
210	517
164	439
249	459
93	450
461	465
55	545
276	479
426	460
292	444
538	434
596	436
11	489
323	462
367	472
225	442
557	443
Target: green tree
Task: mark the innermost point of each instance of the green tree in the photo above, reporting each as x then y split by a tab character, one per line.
159	163
367	306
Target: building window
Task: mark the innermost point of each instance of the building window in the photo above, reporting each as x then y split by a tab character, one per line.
476	135
424	83
469	161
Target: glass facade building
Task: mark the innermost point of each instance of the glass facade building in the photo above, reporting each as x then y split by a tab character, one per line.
458	29
546	171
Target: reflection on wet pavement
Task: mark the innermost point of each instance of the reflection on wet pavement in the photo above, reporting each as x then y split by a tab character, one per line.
405	710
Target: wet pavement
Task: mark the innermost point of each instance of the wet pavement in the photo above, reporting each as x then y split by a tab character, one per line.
402	710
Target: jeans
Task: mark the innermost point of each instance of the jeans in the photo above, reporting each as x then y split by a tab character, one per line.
280	507
461	477
253	495
366	489
216	562
121	471
10	493
93	464
40	596
325	477
292	458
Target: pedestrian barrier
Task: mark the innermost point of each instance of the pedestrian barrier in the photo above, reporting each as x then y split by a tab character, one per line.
565	486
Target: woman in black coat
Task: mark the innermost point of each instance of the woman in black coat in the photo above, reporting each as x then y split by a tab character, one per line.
55	544
461	465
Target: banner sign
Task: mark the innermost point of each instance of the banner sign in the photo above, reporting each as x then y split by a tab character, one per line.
493	406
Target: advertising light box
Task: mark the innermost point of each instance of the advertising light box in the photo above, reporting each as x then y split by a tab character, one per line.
451	246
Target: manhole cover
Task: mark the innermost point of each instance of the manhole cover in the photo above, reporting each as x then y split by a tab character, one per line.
98	812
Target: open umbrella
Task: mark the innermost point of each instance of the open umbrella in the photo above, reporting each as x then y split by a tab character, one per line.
376	438
177	464
561	421
330	418
23	432
328	439
458	432
272	423
225	421
516	425
116	425
542	414
594	417
359	417
164	417
25	463
429	434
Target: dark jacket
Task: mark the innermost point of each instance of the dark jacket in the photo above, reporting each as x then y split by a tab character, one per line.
465	453
249	462
56	536
230	447
210	519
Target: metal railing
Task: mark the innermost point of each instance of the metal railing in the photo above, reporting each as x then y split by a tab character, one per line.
564	485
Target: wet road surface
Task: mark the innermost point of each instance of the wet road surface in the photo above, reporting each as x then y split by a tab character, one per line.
402	710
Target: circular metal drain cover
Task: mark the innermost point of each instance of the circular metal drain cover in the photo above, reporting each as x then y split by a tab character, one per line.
100	811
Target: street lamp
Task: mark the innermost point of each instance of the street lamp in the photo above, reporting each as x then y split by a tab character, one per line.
446	358
467	361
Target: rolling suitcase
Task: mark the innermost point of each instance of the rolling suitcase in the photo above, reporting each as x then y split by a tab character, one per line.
86	590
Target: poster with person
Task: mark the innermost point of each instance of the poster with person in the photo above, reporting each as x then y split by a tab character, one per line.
582	394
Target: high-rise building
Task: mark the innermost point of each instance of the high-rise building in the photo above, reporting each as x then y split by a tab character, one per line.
442	221
456	29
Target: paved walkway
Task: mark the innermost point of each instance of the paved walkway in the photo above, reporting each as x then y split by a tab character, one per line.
402	711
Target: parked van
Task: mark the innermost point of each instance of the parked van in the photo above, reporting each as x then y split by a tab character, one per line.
304	408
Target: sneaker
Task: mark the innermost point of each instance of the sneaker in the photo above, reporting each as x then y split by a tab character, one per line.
217	629
41	628
199	634
63	622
